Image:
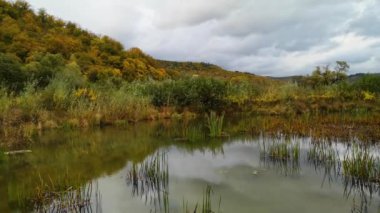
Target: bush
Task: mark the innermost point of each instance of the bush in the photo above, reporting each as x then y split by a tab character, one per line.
368	82
203	94
11	74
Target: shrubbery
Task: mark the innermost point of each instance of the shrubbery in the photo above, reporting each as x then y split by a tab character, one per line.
203	94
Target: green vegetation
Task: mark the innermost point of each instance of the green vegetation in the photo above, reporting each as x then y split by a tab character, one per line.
2	157
362	165
281	151
70	199
215	124
282	155
53	74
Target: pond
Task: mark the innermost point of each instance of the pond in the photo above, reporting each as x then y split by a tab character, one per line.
171	167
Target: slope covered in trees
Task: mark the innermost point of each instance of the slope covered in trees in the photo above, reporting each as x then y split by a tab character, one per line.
33	45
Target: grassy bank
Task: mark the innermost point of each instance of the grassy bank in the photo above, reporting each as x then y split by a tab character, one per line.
65	103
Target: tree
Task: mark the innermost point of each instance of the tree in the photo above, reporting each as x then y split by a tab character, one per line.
11	74
324	76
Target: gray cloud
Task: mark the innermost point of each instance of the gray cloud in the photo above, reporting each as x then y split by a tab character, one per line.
267	37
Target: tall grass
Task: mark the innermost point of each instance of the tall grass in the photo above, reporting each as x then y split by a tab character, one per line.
360	164
215	124
283	155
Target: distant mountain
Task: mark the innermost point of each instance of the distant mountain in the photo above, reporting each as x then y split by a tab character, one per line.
351	78
209	70
357	76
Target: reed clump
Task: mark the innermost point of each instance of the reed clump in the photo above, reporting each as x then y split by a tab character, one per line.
360	164
282	151
215	124
52	197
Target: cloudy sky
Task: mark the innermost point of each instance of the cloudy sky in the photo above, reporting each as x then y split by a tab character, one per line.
266	37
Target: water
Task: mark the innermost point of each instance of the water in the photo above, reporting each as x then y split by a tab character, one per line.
242	178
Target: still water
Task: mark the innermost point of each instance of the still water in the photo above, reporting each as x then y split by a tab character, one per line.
150	167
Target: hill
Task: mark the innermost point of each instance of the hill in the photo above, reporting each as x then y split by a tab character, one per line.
35	44
35	40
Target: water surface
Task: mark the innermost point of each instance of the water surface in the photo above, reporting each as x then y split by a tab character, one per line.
242	178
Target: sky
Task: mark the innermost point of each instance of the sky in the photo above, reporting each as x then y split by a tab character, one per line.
265	37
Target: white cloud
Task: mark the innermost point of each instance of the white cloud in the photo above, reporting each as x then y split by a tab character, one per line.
268	37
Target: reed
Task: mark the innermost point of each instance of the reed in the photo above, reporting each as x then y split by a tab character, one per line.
284	156
283	151
206	203
360	164
150	181
215	124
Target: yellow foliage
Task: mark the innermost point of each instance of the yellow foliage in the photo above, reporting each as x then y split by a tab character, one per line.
368	96
86	93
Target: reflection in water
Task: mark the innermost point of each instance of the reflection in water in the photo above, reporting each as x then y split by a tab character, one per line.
361	193
325	157
150	181
281	154
73	199
242	171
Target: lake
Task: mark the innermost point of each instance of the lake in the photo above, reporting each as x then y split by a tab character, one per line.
171	167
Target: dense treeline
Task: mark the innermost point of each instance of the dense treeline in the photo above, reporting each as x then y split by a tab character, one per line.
55	74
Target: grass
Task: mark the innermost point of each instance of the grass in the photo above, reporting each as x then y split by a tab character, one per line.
322	153
282	151
215	124
283	155
362	165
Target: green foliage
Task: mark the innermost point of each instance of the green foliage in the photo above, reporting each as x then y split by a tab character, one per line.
361	164
203	94
323	76
215	124
369	83
11	74
43	67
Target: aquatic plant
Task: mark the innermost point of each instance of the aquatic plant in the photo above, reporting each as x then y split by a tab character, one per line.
215	124
282	155
284	151
360	164
150	180
206	203
49	197
322	154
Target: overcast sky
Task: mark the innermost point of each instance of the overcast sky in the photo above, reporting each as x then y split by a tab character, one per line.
266	37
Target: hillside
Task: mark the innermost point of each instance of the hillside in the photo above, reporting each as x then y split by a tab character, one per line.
214	71
36	40
35	44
